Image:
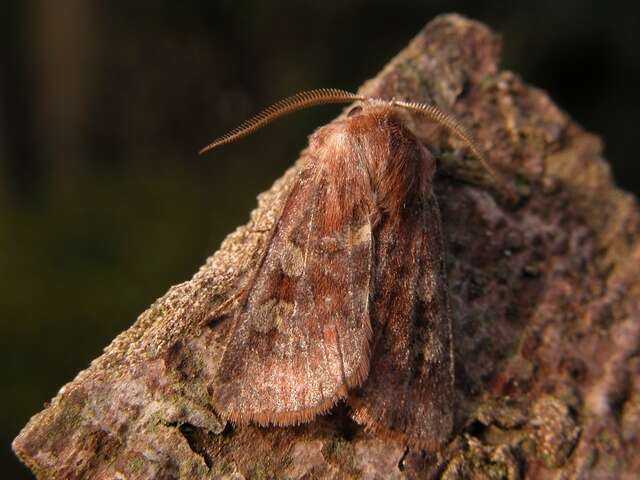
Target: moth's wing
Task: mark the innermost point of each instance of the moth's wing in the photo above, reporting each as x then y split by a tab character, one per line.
409	392
301	337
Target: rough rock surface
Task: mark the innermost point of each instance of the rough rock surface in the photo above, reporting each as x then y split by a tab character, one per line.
545	296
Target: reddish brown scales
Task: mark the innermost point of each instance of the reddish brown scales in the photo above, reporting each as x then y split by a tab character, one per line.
350	298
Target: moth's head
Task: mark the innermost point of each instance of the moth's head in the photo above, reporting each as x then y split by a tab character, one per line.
364	112
369	106
365	115
384	112
376	108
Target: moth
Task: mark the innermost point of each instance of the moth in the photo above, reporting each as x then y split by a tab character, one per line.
349	299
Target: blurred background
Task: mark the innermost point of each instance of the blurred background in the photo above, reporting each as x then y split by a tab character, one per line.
104	203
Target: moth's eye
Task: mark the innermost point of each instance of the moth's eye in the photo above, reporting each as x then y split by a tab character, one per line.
354	111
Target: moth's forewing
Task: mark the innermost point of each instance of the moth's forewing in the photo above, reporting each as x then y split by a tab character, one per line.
409	392
301	336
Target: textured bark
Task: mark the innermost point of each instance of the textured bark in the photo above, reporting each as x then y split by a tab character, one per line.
545	301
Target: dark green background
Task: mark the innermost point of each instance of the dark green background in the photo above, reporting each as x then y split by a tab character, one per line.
104	203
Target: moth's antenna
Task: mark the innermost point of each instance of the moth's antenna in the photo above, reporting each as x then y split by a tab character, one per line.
456	128
324	96
291	104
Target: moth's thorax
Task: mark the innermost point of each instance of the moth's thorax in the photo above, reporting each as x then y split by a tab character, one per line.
371	148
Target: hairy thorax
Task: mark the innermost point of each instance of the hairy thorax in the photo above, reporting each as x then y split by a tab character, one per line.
371	150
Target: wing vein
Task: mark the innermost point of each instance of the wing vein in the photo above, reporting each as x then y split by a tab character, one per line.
242	304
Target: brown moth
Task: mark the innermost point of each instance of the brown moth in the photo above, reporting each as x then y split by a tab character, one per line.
349	299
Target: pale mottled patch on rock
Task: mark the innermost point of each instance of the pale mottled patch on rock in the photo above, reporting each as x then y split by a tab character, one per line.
379	459
307	461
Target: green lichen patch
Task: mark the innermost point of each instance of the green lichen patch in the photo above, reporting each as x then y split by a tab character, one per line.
506	413
484	462
341	452
555	431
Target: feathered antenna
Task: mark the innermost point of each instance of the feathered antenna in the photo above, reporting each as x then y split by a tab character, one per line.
325	96
454	126
299	101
